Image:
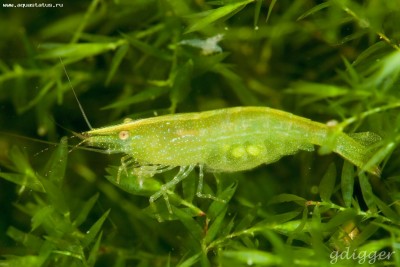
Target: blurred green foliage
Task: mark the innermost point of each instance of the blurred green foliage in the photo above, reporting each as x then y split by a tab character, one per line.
325	60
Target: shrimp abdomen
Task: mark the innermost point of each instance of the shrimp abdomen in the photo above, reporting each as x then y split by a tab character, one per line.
355	152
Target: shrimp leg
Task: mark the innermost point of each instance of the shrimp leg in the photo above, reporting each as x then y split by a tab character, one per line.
125	161
199	192
182	174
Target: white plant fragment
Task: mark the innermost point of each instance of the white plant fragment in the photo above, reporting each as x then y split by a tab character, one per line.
208	46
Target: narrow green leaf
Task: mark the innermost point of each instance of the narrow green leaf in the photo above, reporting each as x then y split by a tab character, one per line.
281	218
290	229
191	261
238	87
205	64
65	246
20	160
340	218
94	230
179	7
350	75
41	216
218	206
27	260
327	184
365	234
147	48
316	231
29	181
94	251
375	247
85	209
386	68
116	61
277	242
304	221
228	228
215	226
315	9
369	53
247	219
257	11
28	240
317	89
253	257
131	183
271	6
288	198
347	183
89	16
386	210
216	14
79	51
191	225
189	187
367	193
181	86
38	97
147	94
56	197
380	155
56	166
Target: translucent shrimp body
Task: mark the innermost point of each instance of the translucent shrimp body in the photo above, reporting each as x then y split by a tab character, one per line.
224	140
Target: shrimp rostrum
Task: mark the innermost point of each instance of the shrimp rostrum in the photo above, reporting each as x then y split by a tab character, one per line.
224	140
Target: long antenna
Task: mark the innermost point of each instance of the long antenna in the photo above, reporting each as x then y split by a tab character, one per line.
76	97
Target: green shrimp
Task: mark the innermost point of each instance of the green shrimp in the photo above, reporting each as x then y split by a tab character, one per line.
223	140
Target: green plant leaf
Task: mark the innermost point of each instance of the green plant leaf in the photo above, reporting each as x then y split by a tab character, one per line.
347	183
367	232
131	183
191	225
28	240
288	198
150	93
218	206
251	257
56	166
181	86
41	216
79	51
56	197
271	6
94	230
216	14
386	210
315	9
85	209
340	218
94	252
117	59
327	184
190	261
248	219
25	180
215	227
367	193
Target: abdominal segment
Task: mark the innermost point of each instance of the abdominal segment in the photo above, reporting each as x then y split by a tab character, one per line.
247	155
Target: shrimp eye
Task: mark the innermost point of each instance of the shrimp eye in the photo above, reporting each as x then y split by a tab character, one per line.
123	135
